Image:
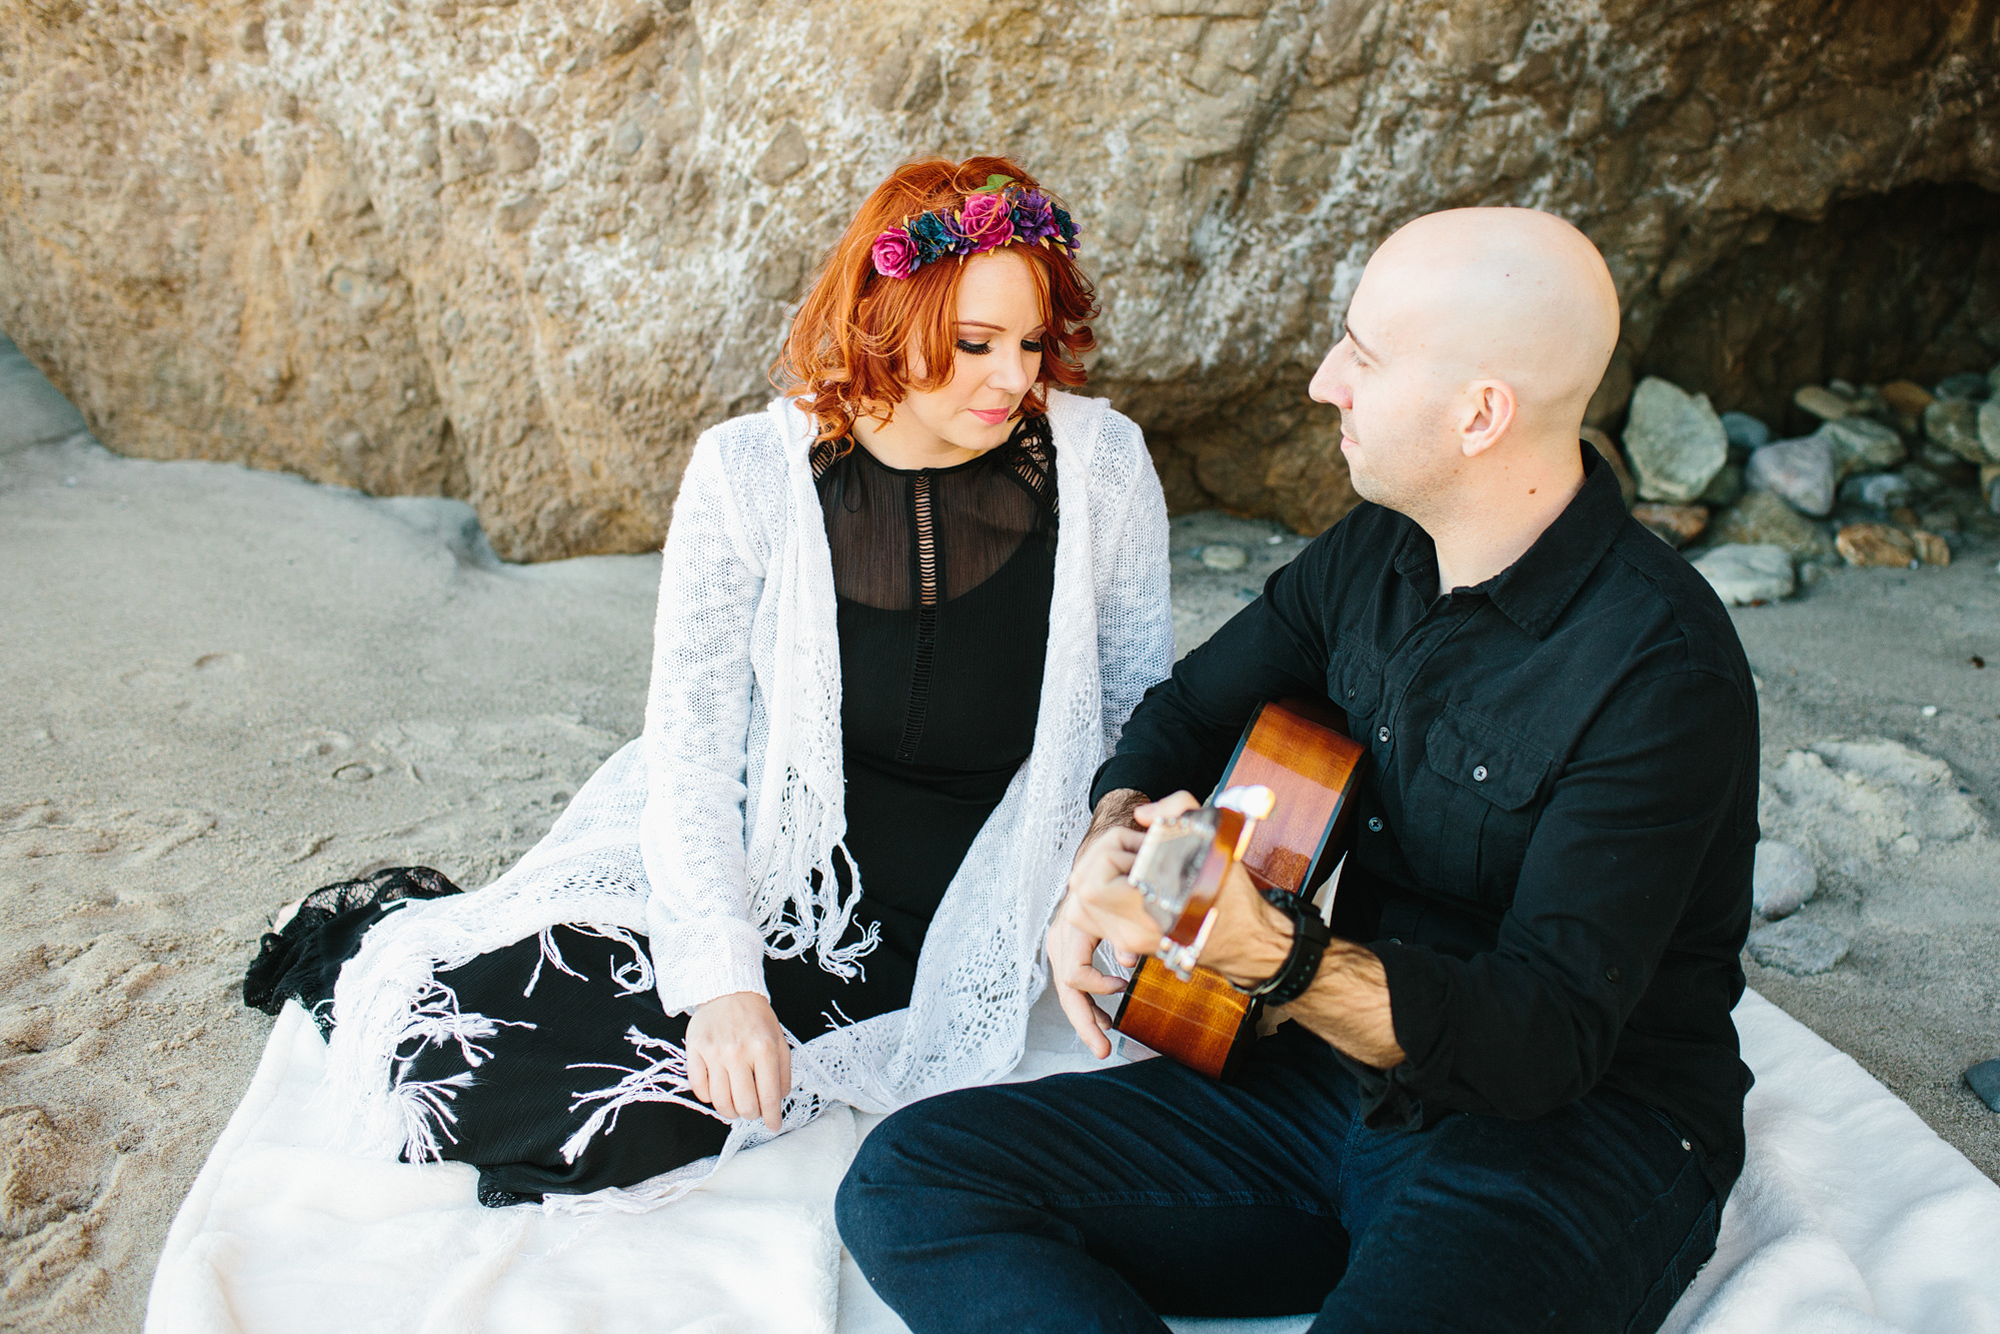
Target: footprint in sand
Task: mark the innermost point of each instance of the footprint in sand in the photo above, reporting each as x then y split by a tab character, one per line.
41	829
322	742
25	1028
149	678
49	1212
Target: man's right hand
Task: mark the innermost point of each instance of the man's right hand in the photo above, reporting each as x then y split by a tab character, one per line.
738	1060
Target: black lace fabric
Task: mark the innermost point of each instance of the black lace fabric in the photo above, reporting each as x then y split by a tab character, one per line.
302	961
911	538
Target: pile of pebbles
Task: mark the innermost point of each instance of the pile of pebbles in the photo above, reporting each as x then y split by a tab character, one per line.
1894	475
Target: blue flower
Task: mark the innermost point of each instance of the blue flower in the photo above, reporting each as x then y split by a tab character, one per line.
934	238
1066	230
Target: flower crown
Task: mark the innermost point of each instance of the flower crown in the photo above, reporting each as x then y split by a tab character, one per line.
998	213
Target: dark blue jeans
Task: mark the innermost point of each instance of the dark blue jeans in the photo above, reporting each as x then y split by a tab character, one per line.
1092	1201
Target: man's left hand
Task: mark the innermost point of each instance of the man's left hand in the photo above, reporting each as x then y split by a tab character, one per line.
1247	944
1348	1004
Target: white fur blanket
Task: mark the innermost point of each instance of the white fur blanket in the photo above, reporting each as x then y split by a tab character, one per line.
1851	1216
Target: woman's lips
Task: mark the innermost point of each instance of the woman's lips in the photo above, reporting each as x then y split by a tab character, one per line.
992	416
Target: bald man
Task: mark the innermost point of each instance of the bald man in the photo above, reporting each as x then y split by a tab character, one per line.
1508	1096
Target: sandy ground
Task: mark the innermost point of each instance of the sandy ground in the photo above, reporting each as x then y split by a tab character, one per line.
221	688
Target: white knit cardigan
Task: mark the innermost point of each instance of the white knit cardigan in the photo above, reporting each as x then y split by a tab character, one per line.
704	833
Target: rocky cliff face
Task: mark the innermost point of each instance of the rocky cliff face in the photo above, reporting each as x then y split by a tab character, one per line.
522	251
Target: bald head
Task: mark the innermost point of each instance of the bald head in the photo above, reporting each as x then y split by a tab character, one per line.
1474	343
1508	294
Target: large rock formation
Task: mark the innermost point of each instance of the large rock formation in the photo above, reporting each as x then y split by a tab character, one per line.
521	251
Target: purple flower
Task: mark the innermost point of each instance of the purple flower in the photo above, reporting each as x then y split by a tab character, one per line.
1034	217
895	254
985	222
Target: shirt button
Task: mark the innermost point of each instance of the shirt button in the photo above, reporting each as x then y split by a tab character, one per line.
1478	773
1374	824
1612	974
1382	734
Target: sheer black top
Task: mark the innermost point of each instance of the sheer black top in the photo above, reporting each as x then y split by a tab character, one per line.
943	578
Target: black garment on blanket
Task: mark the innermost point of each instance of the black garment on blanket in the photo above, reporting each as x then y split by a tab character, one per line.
943	578
302	961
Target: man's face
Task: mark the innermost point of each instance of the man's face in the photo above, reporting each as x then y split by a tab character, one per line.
1394	398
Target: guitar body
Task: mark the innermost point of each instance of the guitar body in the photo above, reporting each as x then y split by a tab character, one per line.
1300	750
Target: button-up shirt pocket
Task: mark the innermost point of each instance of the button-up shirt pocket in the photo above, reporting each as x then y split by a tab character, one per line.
1480	782
1355	684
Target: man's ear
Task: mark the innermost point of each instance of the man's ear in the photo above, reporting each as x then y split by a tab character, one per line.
1489	412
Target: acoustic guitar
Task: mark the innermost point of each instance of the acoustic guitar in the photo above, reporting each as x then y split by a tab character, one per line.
1281	812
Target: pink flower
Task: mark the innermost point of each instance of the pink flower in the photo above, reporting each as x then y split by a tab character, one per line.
895	254
985	222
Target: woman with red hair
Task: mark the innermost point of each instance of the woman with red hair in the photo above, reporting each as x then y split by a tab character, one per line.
903	614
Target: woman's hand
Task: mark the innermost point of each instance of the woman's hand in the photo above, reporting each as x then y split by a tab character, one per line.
738	1060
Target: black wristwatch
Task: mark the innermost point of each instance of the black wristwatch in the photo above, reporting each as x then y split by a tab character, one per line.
1309	941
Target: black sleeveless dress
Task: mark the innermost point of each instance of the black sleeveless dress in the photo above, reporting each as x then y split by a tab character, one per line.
943	578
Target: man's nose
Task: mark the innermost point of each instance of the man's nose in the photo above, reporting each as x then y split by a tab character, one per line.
1329	382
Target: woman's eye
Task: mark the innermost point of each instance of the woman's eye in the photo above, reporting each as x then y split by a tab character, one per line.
974	349
1031	344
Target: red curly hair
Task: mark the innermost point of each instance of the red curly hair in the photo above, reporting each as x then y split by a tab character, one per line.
848	344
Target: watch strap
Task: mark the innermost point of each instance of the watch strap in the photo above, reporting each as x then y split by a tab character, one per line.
1309	941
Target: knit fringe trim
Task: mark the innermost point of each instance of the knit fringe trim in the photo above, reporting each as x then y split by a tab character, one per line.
424	1106
800	908
664	1078
632	977
397	967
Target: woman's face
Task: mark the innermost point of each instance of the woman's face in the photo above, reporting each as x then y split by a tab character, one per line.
998	357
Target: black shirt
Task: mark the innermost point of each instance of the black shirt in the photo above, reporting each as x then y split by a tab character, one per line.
943	579
1552	851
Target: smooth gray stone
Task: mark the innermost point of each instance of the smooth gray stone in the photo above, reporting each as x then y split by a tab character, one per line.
1782	880
1742	575
1985	1081
1224	556
1953	423
1967	385
1923	481
1763	519
1883	490
35	413
1674	442
1745	433
1989	429
1726	487
1861	445
1801	471
1803	949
